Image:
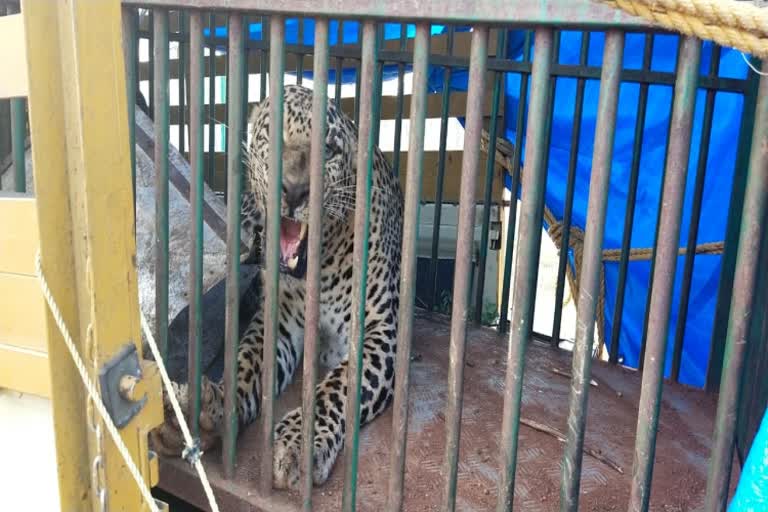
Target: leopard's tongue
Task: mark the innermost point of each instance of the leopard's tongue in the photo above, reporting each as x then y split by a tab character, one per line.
291	233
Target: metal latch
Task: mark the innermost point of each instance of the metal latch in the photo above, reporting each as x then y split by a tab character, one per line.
120	390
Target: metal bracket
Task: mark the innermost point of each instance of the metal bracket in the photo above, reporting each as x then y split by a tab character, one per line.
124	364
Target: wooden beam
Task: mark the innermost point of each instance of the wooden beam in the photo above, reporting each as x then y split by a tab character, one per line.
429	186
79	129
456	107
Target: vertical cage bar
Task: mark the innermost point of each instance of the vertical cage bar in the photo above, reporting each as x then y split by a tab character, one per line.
151	68
591	268
358	76
264	58
365	155
534	180
272	281
197	169
18	135
236	58
339	65
490	165
570	188
470	164
408	265
400	101
747	264
160	57
441	158
649	295
300	55
314	253
130	34
693	228
181	80
663	277
514	184
211	121
629	215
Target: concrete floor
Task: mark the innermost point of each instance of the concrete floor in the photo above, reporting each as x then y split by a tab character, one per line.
28	478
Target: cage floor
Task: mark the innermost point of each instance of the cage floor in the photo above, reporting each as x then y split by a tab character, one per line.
681	455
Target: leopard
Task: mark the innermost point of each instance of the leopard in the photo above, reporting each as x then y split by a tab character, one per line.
336	291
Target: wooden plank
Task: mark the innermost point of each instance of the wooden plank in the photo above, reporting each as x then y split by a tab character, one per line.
456	107
18	234
22	312
429	184
13	55
25	371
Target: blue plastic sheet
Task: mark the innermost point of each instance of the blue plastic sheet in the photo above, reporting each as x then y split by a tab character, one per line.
721	160
752	492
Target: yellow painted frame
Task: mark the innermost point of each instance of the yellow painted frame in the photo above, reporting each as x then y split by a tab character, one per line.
79	132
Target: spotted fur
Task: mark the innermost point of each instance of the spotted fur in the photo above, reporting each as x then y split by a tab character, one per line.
382	297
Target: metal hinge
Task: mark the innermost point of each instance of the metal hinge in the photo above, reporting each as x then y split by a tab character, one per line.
120	378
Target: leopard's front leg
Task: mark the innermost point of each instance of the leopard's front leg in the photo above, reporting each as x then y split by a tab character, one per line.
168	439
378	375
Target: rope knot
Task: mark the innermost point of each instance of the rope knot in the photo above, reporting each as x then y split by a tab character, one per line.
192	453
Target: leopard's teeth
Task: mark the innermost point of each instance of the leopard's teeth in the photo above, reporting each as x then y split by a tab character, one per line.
293	262
303	231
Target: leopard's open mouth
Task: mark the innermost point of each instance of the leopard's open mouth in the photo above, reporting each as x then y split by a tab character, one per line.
293	247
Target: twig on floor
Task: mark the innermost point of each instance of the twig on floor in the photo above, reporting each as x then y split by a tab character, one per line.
561	437
567	375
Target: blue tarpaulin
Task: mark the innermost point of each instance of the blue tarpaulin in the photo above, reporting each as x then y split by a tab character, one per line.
721	160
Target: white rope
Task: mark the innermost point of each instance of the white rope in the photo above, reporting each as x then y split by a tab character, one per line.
92	391
191	452
752	66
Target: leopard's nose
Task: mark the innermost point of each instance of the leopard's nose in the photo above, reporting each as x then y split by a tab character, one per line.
295	195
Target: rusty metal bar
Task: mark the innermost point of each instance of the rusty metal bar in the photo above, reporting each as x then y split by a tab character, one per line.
264	59
514	184
196	203
339	64
211	121
368	111
408	266
181	79
527	261
236	58
151	68
272	257
747	264
470	163
18	135
570	189
400	100
160	53
490	165
663	277
535	12
605	130
314	253
693	228
358	78
629	215
441	161
300	56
